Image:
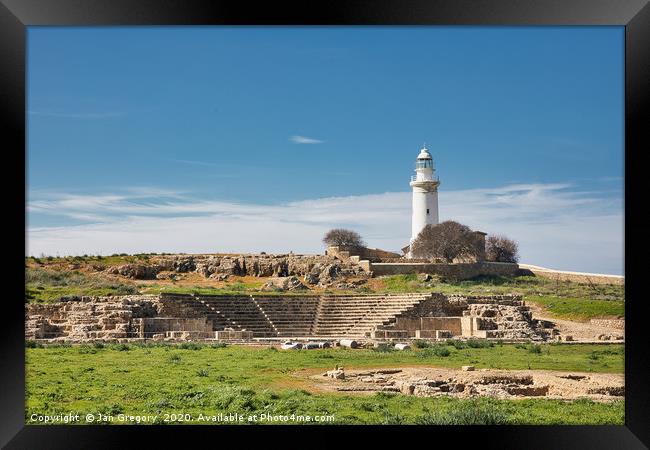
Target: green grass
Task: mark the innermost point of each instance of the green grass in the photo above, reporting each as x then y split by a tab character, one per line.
96	260
525	285
563	299
404	283
579	308
44	285
158	379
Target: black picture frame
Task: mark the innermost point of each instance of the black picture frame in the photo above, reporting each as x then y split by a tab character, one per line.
634	15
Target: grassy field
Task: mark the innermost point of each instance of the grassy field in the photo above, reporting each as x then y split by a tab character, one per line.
193	379
561	299
525	285
579	308
48	285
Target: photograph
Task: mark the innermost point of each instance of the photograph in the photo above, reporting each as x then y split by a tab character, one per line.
325	225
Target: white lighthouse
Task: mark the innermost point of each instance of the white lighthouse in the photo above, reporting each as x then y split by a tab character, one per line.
425	194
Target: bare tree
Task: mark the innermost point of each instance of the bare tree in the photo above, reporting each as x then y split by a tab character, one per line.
448	240
345	239
501	249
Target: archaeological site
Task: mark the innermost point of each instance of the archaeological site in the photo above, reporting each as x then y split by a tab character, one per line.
305	297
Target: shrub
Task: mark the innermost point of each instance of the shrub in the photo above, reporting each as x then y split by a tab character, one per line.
434	350
448	240
501	249
202	372
458	345
478	343
421	344
175	358
190	346
384	348
345	239
535	348
87	349
33	344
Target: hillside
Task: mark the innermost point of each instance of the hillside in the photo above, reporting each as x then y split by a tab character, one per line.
49	279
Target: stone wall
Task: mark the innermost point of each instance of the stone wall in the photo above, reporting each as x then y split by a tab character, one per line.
484	316
163	324
412	324
371	254
461	271
619	324
577	277
82	318
177	305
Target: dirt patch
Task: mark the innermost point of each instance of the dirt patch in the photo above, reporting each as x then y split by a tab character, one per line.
431	382
579	331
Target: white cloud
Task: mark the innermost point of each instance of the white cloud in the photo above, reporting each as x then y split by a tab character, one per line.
554	226
304	140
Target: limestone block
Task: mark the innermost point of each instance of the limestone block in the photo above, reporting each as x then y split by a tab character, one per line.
337	374
425	334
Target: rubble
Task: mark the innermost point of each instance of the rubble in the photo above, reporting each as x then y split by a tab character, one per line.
283	284
435	382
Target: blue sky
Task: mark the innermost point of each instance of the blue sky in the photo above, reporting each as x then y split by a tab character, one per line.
227	132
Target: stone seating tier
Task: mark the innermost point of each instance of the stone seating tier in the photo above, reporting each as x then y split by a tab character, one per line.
351	315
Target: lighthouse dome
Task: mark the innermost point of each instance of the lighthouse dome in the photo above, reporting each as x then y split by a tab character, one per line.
424	154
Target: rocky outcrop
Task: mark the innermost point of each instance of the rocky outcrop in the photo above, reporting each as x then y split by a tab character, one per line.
313	269
135	271
283	284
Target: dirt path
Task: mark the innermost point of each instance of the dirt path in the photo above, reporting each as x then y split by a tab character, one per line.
580	331
506	384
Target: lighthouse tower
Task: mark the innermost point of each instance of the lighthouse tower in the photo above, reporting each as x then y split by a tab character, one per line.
425	194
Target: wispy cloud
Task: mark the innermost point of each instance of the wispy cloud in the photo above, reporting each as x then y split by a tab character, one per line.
554	225
196	163
304	140
78	115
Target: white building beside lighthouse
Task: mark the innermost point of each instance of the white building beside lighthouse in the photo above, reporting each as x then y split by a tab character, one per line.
425	194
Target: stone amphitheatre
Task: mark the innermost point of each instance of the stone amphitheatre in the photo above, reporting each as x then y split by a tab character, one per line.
298	301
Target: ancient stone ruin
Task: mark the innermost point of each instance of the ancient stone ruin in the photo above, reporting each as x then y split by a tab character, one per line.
505	384
495	317
248	317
